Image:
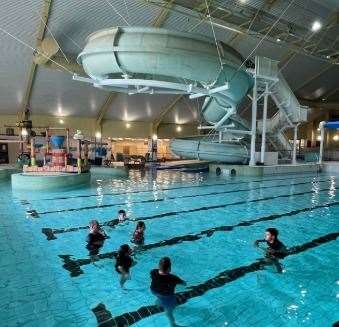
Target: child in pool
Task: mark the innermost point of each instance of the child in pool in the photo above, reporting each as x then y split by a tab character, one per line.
163	286
95	238
139	234
123	263
122	217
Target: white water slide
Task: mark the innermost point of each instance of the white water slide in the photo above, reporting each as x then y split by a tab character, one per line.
152	60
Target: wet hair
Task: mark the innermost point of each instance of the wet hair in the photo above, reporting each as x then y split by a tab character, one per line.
124	249
273	231
140	224
122	212
165	264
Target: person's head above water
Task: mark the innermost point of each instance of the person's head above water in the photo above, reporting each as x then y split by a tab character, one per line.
271	234
165	265
94	226
140	226
122	214
125	249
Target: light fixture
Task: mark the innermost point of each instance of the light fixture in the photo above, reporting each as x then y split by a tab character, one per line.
278	40
98	135
318	138
154	137
128	125
336	137
243	1
316	26
323	99
328	57
24	132
318	129
179	129
61	121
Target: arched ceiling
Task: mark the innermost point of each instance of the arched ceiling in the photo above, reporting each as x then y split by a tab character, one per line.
310	73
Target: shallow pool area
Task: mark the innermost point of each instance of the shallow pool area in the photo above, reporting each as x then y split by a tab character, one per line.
207	226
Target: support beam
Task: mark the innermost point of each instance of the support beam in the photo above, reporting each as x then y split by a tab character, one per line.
264	123
165	111
33	69
103	110
254	123
163	15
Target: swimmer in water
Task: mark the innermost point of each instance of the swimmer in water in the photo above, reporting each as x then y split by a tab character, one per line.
95	238
122	217
139	234
123	263
163	286
275	248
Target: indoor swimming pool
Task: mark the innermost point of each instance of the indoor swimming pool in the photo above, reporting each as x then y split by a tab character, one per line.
206	224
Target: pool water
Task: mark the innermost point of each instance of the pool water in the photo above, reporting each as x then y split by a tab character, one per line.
205	224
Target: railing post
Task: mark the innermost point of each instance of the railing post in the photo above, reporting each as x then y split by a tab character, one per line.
294	155
254	122
322	136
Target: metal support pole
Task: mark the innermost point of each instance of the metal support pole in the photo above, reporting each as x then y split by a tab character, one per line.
322	137
264	120
254	122
294	155
33	161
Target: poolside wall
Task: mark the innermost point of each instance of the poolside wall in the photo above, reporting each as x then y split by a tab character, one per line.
245	170
110	128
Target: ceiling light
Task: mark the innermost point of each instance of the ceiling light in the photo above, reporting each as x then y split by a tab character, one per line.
316	26
179	129
328	57
128	125
24	132
318	138
323	99
155	137
61	121
318	129
336	137
243	1
278	40
98	135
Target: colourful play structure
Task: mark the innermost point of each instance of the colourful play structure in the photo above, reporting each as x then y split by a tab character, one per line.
59	154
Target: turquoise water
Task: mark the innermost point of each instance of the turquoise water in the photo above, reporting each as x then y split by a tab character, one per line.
207	226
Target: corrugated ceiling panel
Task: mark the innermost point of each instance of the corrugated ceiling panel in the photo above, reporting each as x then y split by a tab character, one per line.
20	18
55	93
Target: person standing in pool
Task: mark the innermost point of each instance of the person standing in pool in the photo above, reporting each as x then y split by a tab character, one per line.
275	248
95	238
163	286
139	234
123	263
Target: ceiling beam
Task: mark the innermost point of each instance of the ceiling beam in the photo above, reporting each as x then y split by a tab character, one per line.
320	105
164	112
235	23
46	10
103	110
267	6
163	15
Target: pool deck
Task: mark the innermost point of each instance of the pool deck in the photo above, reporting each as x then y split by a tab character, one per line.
245	170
